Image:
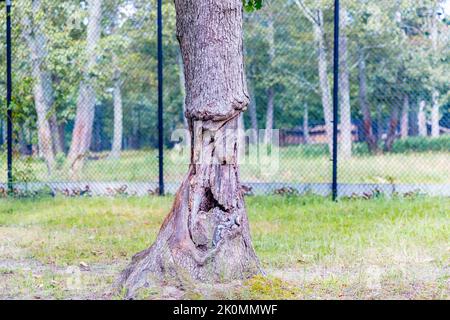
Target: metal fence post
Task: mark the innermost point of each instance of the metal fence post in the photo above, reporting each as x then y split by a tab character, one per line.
335	98
8	96
160	102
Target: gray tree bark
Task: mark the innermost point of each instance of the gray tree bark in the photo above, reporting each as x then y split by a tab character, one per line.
270	89
315	16
182	88
435	128
371	139
322	64
42	86
84	119
118	112
422	119
344	90
253	116
206	235
57	134
380	129
392	127
306	124
404	118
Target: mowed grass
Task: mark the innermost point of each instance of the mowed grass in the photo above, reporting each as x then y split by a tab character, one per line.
291	164
310	247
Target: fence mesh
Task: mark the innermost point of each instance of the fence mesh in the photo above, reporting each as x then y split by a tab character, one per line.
85	97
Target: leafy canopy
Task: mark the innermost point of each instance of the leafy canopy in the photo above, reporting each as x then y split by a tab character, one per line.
252	5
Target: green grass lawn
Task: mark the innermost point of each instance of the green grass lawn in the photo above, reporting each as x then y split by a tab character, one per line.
309	247
294	164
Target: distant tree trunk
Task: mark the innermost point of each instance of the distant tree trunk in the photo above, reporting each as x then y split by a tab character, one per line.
380	128
253	116
316	18
422	119
435	115
118	113
269	115
206	236
435	94
84	119
58	140
23	143
404	119
371	139
344	90
135	139
270	90
319	36
392	127
306	124
42	87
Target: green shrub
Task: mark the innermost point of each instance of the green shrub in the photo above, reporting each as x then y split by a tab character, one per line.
411	144
422	144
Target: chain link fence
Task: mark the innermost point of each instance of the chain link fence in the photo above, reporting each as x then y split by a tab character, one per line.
85	98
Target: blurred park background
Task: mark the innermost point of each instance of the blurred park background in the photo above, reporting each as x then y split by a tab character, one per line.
85	96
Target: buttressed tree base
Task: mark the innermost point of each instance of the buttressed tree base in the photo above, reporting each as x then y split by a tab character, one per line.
206	235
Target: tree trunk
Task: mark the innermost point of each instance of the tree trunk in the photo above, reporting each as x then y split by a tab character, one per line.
23	143
306	124
118	113
270	90
253	116
435	115
206	235
435	94
319	36
84	119
371	139
58	140
269	116
42	87
422	119
380	128
344	91
404	119
392	128
316	18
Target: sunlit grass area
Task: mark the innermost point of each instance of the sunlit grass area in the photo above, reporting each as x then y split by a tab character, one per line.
310	247
291	164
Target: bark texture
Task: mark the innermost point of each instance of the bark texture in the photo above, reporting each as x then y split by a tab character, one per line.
182	89
84	119
206	235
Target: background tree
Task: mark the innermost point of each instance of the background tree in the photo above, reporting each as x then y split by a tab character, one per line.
84	119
